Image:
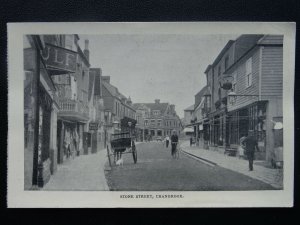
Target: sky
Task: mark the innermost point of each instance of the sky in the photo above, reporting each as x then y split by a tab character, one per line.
148	67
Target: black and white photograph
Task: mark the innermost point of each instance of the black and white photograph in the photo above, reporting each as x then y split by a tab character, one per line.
152	114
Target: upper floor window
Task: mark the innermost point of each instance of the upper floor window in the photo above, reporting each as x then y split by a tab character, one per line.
158	123
146	122
226	62
249	72
156	112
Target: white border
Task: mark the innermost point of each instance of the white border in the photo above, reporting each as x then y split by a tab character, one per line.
17	197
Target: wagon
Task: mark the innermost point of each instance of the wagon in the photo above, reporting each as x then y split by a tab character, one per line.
121	143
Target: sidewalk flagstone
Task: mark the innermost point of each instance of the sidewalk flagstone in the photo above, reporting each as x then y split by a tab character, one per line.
84	173
262	173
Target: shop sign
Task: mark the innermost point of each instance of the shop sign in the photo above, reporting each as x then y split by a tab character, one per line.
59	58
93	126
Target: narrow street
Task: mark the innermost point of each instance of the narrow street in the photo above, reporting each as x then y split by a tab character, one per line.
157	171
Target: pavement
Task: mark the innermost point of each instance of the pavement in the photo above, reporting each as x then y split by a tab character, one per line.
83	173
156	170
271	176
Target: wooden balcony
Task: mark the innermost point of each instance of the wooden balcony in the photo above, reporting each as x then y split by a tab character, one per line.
73	110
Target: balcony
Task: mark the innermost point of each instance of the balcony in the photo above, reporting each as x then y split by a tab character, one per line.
73	110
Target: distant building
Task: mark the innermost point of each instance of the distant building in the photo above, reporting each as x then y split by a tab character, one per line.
160	119
188	115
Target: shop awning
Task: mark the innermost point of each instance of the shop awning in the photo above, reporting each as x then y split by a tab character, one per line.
188	129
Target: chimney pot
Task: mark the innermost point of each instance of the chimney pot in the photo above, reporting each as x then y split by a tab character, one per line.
86	44
157	101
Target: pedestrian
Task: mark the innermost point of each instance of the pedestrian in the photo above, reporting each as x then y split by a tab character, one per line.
167	141
241	147
174	142
250	144
191	141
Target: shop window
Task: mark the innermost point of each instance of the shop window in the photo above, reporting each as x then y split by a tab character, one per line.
249	72
159	133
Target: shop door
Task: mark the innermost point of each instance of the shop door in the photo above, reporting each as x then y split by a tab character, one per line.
94	142
85	142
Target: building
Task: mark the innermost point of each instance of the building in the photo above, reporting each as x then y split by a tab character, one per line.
160	119
45	57
244	92
188	115
72	90
256	96
96	106
118	110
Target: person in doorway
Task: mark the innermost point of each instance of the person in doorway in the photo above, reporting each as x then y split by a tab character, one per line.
191	141
241	147
76	142
167	141
174	142
250	144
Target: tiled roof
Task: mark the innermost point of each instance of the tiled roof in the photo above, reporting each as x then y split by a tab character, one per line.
110	88
198	96
154	106
271	40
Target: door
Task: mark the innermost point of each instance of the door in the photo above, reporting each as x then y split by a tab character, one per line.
85	142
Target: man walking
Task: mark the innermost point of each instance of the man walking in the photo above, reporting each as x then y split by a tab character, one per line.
174	142
250	144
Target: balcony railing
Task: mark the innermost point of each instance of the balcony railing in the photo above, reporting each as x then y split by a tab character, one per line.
73	106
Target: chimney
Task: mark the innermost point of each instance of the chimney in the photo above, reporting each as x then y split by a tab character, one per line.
129	101
106	79
86	51
172	107
157	101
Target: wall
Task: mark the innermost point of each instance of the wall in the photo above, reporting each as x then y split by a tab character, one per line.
241	88
216	78
272	70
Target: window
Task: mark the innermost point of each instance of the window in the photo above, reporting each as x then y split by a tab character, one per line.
146	122
249	72
152	122
234	75
226	62
158	123
219	71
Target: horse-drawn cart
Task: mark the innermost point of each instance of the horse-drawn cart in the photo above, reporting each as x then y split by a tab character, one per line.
121	143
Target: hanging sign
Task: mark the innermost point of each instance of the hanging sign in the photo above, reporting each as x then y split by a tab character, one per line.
93	126
59	60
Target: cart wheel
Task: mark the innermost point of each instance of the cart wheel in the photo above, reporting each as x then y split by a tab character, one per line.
134	154
108	155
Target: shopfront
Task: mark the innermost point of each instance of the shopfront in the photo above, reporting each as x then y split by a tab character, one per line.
40	115
251	117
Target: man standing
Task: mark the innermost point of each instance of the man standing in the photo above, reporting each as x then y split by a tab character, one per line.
250	143
174	142
167	141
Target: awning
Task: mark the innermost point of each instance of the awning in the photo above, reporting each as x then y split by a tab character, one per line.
188	129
